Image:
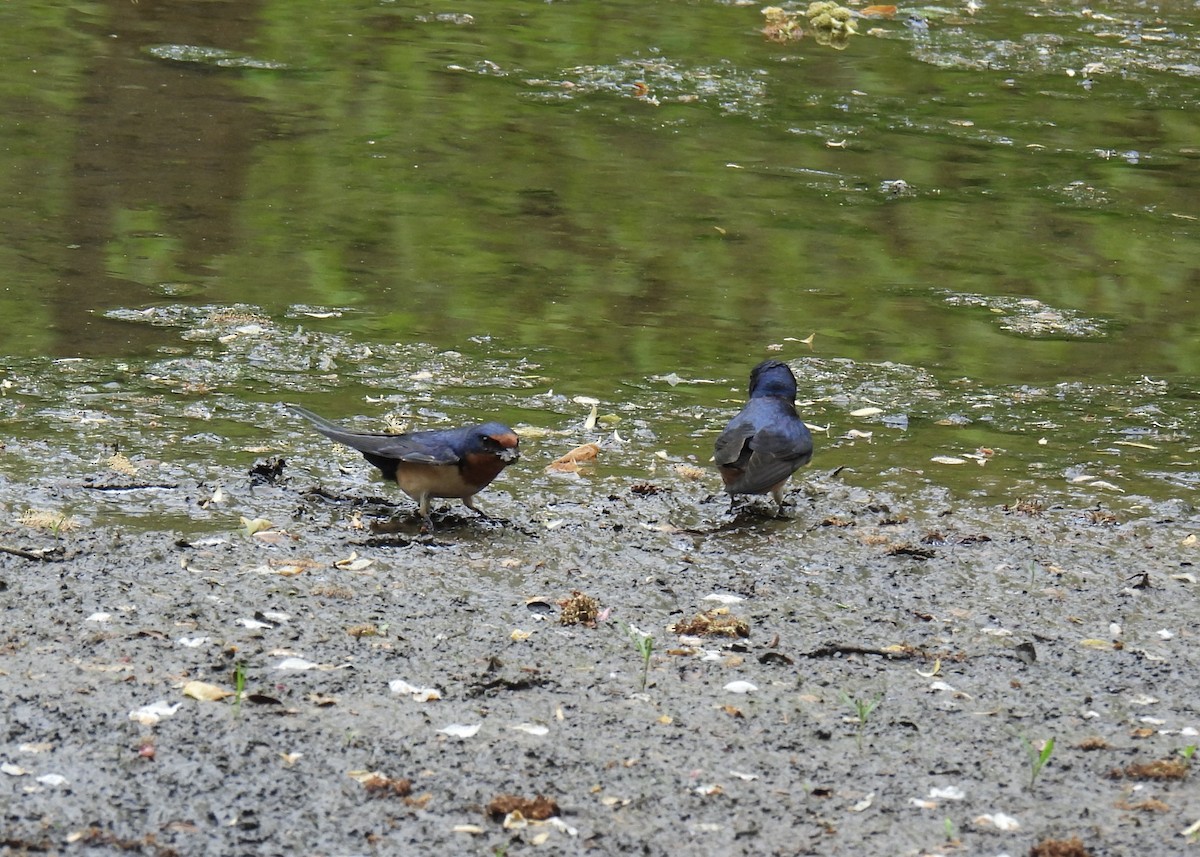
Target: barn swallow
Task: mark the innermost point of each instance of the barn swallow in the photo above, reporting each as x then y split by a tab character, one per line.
427	464
766	442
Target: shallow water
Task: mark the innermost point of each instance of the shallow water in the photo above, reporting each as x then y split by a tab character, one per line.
985	215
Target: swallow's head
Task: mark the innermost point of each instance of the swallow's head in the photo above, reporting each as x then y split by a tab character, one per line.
499	440
772	378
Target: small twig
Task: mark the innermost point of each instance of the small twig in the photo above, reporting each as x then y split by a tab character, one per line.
43	554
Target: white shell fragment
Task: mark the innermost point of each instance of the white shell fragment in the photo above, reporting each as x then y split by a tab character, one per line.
418	694
530	729
947	793
461	730
723	598
295	664
741	687
150	714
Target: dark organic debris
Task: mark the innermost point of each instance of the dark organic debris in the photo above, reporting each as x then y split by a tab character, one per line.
937	537
1032	508
147	844
1160	769
536	809
835	521
1059	848
379	785
1093	743
644	489
579	609
714	623
915	552
901	650
1147	805
43	554
267	471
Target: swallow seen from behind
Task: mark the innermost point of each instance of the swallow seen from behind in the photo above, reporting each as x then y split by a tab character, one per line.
766	442
448	463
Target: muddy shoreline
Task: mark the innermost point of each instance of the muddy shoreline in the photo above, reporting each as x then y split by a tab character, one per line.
901	652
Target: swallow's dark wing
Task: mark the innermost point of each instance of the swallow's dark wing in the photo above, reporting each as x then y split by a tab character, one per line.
424	447
762	446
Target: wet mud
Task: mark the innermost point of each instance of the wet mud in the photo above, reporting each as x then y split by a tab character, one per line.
881	678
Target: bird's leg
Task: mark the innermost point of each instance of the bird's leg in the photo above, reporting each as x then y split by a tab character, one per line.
426	520
777	493
469	502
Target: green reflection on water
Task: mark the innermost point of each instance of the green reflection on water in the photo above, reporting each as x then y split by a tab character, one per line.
443	180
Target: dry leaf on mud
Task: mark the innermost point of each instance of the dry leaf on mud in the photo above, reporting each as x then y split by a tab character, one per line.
376	782
866	412
579	609
714	623
205	692
353	562
121	464
690	471
947	459
257	525
537	808
42	520
572	461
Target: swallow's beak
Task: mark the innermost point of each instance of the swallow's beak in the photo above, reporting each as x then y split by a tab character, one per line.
509	442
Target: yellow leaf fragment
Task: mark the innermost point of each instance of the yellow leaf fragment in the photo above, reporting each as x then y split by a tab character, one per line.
118	462
519	636
205	692
43	520
570	462
353	562
257	525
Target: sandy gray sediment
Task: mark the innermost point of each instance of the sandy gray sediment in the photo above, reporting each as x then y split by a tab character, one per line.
974	629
